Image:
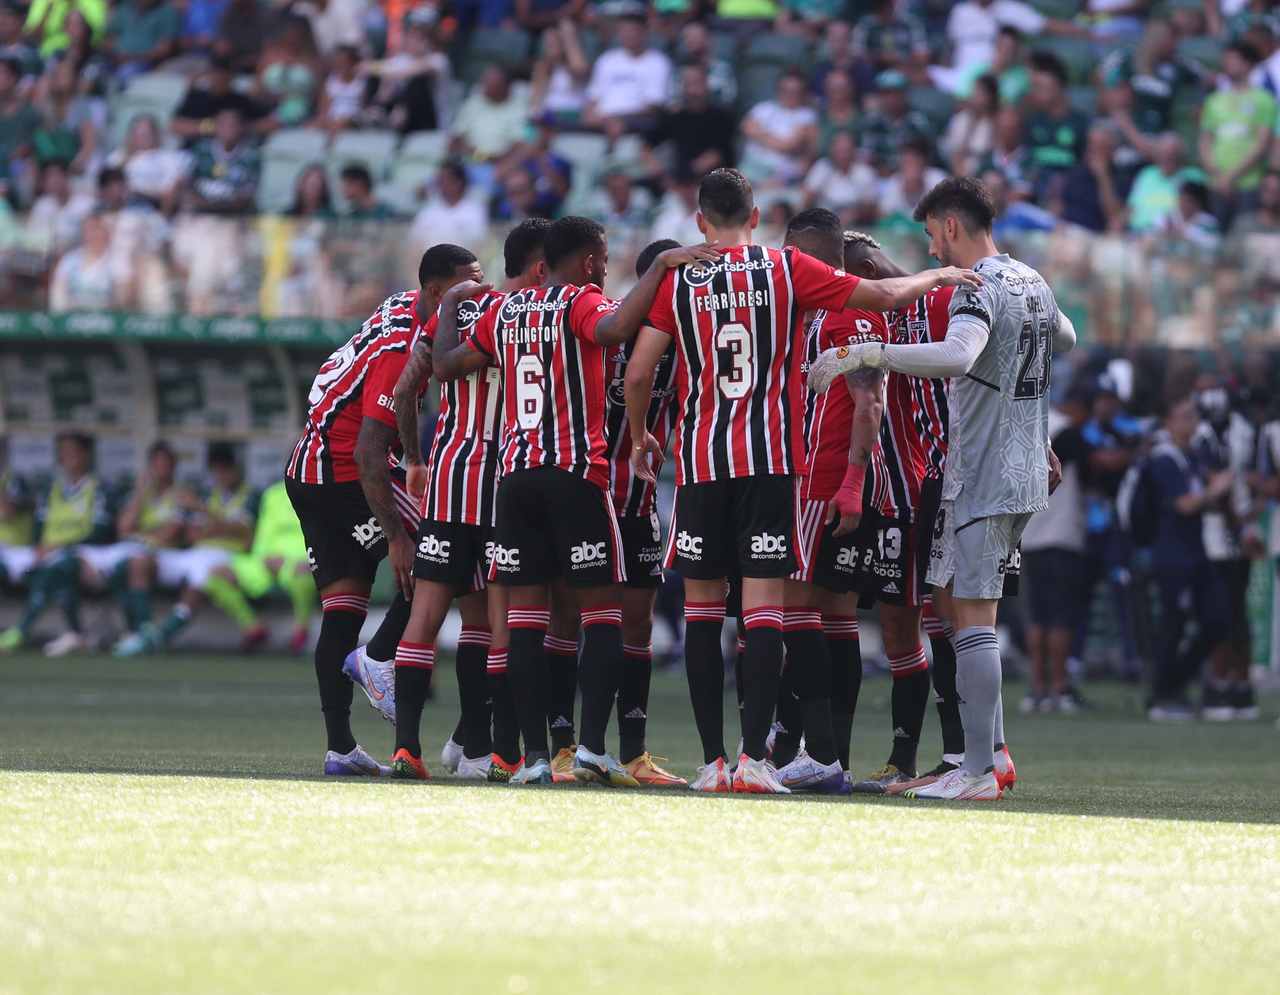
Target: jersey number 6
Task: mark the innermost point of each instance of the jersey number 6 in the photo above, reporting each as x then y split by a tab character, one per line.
529	392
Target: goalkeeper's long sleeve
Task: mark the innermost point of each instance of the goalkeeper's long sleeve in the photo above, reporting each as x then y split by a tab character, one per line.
954	356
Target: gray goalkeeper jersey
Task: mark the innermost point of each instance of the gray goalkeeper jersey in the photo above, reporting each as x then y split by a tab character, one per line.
996	460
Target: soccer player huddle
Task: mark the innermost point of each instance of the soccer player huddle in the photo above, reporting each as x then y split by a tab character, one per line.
843	433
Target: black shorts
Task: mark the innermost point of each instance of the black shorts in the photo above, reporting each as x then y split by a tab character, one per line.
1055	587
552	524
744	525
344	539
888	567
642	550
453	554
928	528
830	562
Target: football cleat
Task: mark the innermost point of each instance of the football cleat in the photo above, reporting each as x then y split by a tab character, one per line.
1244	703
451	755
878	783
499	770
1171	711
376	678
713	778
598	768
1215	705
474	769
562	765
1006	773
757	777
1033	704
957	785
648	774
946	767
539	772
136	643
254	638
770	739
298	640
357	763
66	644
406	767
806	774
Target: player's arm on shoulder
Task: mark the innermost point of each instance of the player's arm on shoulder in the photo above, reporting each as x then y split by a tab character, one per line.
899	291
450	359
622	323
637	386
1064	336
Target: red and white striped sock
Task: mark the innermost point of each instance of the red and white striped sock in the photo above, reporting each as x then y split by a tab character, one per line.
416	656
909	663
354	603
497	662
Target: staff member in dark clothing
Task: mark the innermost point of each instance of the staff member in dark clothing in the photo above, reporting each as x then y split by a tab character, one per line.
1189	589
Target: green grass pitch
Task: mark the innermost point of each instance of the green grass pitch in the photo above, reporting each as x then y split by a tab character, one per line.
162	829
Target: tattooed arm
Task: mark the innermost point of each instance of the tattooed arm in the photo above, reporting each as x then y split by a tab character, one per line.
374	441
415	374
867	388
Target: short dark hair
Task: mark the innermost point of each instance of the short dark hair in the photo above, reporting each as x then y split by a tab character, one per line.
963	197
358	172
858	245
221	454
1010	32
725	197
160	446
82	440
1246	51
525	243
441	261
570	236
111	174
455	167
1198	192
651	252
814	219
1047	62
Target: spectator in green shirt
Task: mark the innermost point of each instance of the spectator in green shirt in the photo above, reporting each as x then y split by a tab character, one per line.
142	34
357	191
1055	133
225	169
888	39
1154	196
19	122
1236	126
47	19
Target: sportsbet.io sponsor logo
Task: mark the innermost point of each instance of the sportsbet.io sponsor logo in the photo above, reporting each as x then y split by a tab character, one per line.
367	534
700	274
516	305
586	555
434	549
468	313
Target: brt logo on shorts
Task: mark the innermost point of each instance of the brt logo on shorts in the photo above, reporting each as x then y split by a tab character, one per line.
504	558
587	554
769	546
367	534
434	549
690	547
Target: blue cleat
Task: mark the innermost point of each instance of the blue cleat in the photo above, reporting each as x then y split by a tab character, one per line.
376	679
357	763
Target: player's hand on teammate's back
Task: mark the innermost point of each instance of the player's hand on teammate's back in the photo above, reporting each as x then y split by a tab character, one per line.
1055	470
839	360
954	276
415	479
467	289
400	553
704	252
640	462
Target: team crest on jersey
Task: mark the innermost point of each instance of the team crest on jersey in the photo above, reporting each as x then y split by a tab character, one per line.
917	329
842	351
468	313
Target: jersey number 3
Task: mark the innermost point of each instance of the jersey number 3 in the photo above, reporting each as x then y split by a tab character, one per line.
1036	353
734	360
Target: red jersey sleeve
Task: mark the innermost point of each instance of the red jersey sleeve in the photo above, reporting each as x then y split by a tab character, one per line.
818	285
662	315
483	337
587	311
380	385
426	333
938	308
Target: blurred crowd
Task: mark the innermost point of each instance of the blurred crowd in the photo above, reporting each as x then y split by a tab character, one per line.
131	131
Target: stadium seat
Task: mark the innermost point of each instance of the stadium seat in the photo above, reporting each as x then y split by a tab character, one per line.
757	83
936	105
419	158
778	50
1203	49
509	49
306	144
1078	54
375	148
1084	99
585	151
154	94
285	154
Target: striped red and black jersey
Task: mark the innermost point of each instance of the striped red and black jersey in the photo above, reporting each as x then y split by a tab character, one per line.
542	339
829	417
356	382
926	321
736	325
631	495
463	463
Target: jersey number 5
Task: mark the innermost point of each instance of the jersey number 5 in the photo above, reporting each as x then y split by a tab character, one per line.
1036	353
530	392
734	360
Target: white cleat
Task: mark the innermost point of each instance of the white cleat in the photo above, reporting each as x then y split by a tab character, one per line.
539	772
957	785
357	763
474	770
451	756
376	678
806	774
66	644
713	778
757	777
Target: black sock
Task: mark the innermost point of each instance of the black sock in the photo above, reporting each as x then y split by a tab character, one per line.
908	701
506	726
561	689
526	676
846	679
633	701
761	672
704	668
789	714
340	622
948	701
473	654
807	657
383	644
414	663
740	650
601	673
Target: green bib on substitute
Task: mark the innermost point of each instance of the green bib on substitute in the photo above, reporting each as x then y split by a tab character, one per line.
71	512
230	506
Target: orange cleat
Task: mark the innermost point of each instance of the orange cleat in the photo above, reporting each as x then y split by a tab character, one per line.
645	770
562	766
1006	773
500	771
406	767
